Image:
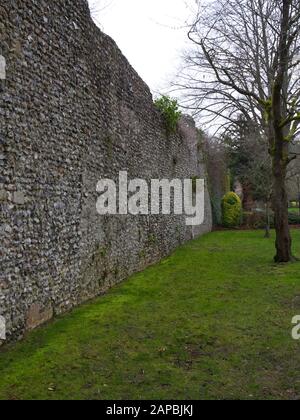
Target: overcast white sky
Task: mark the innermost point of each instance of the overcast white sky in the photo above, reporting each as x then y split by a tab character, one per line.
150	33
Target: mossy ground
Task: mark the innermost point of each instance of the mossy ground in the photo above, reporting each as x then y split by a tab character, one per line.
213	321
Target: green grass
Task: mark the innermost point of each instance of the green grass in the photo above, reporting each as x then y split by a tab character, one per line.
213	321
294	210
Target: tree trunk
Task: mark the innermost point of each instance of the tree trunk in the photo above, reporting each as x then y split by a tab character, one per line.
283	236
267	233
280	203
280	146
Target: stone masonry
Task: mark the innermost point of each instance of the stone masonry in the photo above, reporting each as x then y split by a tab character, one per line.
73	111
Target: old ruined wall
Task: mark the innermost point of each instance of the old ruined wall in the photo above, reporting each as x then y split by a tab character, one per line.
73	111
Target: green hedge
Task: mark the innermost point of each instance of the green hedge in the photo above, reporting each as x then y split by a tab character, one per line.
294	219
231	210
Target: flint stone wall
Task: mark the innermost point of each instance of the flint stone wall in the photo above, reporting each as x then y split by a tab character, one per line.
73	111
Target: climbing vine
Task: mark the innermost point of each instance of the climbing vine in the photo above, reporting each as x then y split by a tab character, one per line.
170	110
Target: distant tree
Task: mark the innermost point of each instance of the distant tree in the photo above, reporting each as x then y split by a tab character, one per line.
250	163
218	176
293	175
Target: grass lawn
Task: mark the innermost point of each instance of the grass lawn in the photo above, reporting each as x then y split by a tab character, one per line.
213	321
294	210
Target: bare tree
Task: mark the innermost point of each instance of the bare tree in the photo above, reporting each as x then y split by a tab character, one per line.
245	61
97	7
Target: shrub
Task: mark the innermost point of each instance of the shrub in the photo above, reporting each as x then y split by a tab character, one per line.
294	219
256	220
231	210
170	111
